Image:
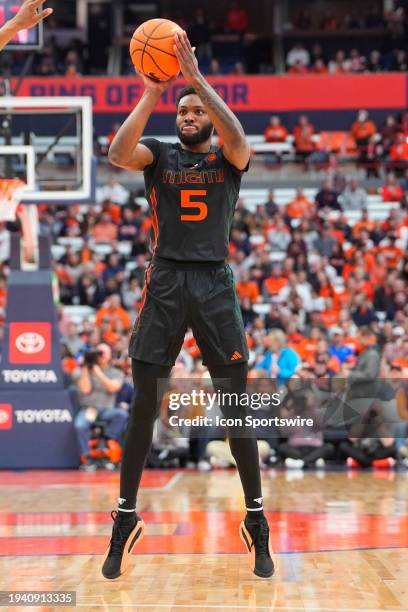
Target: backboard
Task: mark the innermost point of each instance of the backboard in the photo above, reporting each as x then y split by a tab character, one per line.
48	142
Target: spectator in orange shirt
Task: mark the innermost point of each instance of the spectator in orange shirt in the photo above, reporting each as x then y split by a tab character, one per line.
310	345
322	354
329	316
303	133
247	288
399	154
363	225
362	130
362	284
319	67
112	311
378	273
300	206
104	230
275	131
298	68
275	282
392	190
391	252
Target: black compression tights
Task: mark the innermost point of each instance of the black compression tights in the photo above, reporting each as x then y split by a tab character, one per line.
145	409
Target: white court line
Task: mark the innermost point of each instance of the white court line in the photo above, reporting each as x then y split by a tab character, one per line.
169	485
173	480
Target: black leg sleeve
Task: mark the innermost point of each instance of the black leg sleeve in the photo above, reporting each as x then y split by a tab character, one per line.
233	379
144	411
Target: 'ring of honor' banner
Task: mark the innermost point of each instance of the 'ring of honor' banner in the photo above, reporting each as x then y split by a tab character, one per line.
281	93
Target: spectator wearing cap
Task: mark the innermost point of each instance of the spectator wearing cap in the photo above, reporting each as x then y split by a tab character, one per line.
353	197
337	347
280	361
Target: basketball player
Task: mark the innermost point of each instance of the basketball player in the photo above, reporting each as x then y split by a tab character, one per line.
192	187
26	17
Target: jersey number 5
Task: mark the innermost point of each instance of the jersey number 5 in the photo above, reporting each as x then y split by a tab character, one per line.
187	202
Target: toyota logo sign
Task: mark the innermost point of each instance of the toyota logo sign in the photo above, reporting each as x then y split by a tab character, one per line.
30	343
4	416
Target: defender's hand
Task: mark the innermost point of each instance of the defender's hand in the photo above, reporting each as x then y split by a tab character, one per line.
27	16
185	55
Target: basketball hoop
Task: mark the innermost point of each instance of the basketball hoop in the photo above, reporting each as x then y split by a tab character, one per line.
11	192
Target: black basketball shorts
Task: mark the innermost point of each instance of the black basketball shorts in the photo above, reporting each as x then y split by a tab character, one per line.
178	296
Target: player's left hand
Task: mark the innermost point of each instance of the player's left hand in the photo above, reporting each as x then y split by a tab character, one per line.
185	55
27	16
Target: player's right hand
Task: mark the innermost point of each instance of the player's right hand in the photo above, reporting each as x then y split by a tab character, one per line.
27	16
158	86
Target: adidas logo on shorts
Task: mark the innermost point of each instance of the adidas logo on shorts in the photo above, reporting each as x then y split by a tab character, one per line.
235	355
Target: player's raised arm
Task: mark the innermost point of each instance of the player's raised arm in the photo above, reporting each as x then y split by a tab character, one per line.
27	17
125	150
230	130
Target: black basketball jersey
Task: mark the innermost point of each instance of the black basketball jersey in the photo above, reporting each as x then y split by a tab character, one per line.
192	198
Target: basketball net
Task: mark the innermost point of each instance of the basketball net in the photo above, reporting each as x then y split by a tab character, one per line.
11	192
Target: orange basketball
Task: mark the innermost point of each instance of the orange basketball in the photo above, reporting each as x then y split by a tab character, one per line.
151	49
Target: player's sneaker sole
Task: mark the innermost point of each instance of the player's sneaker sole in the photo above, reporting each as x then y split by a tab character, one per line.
249	545
135	536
